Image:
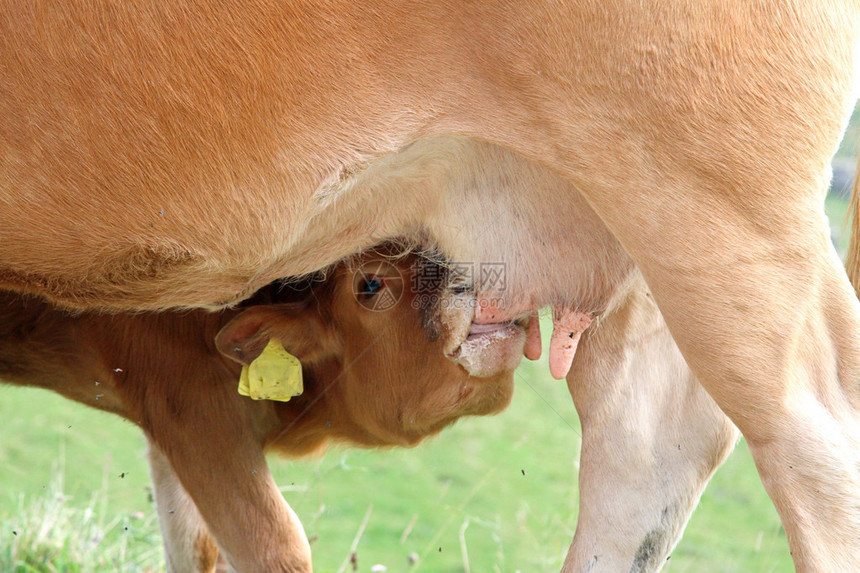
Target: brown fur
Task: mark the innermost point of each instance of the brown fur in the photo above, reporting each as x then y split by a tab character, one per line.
266	139
206	554
370	378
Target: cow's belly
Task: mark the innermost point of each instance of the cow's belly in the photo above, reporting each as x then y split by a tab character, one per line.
518	236
531	233
530	241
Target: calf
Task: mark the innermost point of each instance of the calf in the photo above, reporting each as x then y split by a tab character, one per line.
374	375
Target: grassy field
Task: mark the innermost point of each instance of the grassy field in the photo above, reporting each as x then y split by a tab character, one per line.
489	495
460	502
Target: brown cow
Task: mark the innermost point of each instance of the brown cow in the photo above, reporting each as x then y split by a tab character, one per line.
374	375
185	153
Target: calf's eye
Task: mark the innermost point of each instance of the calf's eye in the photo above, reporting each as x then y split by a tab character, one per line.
370	286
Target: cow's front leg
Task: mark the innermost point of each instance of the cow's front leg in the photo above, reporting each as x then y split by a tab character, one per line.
211	438
651	440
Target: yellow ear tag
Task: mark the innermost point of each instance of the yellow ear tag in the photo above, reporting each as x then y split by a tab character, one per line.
273	375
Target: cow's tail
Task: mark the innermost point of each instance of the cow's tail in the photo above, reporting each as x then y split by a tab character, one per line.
852	260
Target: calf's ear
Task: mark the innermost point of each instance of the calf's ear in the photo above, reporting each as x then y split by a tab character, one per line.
301	331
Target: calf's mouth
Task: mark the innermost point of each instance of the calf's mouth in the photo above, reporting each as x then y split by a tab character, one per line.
486	340
491	349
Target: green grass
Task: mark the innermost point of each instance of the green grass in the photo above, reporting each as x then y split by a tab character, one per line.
48	533
463	492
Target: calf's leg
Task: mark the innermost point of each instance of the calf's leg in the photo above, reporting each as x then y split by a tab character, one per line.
211	438
188	546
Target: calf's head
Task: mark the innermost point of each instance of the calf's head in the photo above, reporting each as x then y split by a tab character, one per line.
372	349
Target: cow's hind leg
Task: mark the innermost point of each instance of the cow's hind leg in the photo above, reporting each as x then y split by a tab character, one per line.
651	439
757	300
